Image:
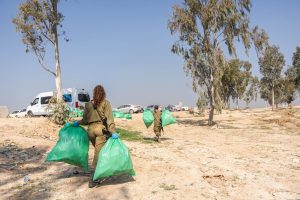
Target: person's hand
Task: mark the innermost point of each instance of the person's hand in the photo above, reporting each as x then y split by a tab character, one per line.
115	136
76	124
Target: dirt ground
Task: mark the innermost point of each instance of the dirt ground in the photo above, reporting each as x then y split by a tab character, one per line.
248	154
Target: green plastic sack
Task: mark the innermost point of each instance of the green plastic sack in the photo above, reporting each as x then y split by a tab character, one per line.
148	118
72	147
167	118
118	114
128	116
79	113
114	159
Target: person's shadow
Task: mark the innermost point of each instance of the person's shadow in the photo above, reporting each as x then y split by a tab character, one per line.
114	180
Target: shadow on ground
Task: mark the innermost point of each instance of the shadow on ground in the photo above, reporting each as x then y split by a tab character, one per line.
116	180
191	122
154	140
16	163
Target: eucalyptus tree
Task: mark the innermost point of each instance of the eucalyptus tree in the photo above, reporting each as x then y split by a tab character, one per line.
205	29
271	63
38	22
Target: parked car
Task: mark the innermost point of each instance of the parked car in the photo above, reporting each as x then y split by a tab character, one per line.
21	113
170	108
177	108
185	108
18	113
14	113
151	107
129	108
140	109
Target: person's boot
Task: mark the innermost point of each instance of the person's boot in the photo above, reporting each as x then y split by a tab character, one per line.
92	183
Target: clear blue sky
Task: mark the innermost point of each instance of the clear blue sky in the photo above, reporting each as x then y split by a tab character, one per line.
125	46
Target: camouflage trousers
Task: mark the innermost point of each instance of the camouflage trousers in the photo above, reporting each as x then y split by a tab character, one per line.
97	138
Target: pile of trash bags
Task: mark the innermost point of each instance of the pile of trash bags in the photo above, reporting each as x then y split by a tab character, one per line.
73	145
74	112
166	118
119	114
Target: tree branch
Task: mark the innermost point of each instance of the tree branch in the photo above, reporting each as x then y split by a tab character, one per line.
41	61
45	35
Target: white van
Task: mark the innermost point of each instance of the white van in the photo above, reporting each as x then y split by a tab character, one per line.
75	98
39	105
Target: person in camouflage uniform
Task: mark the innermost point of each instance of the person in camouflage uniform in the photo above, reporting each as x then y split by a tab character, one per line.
157	123
99	118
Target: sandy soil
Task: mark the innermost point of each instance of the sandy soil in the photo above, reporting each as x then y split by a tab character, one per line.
248	154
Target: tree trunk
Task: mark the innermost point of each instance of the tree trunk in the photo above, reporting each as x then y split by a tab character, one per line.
237	103
212	107
211	101
272	98
57	63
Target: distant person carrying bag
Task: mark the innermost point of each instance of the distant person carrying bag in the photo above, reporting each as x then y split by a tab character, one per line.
99	118
157	123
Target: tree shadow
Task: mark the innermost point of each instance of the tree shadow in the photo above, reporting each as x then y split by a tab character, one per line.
192	122
153	139
72	172
16	163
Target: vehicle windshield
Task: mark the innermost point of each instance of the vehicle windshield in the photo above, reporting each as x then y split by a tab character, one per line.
83	97
67	97
45	100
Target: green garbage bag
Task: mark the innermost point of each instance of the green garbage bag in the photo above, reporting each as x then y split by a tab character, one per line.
114	159
127	116
72	147
118	114
167	118
148	118
80	113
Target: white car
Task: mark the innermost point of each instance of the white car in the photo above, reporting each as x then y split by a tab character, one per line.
18	113
184	108
129	108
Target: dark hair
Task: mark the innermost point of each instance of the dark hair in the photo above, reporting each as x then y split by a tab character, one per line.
156	107
98	95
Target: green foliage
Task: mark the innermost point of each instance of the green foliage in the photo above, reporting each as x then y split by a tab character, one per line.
130	135
271	63
59	112
202	102
204	29
38	22
235	80
252	90
266	92
296	68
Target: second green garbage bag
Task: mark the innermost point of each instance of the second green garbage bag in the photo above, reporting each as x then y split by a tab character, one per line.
72	147
167	118
114	159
